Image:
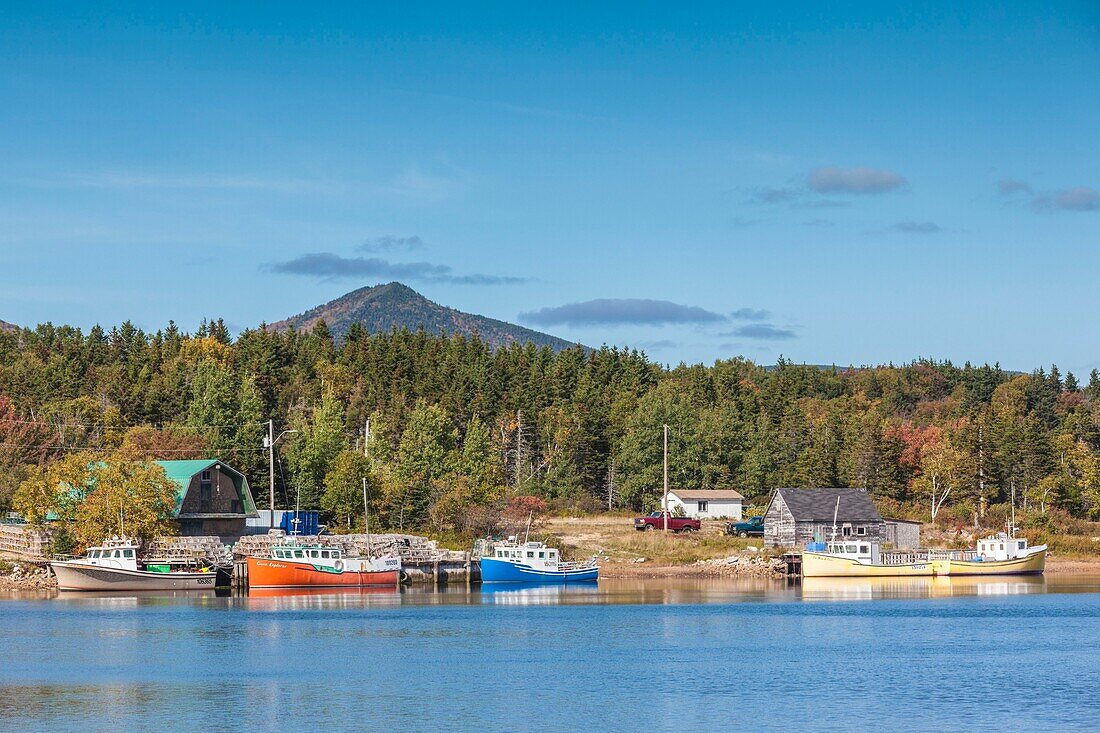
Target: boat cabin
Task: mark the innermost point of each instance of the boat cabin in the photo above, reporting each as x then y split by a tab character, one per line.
1001	547
316	555
120	554
531	554
859	550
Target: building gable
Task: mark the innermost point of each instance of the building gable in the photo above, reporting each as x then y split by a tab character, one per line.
183	474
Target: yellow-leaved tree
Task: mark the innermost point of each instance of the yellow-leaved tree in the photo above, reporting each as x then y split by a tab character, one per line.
57	491
127	496
93	497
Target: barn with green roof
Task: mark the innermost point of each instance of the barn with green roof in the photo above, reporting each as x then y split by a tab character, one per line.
211	499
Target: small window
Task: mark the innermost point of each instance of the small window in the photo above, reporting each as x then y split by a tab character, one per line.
864	549
128	553
703	506
205	475
847	531
118	553
298	554
324	554
542	555
861	530
530	554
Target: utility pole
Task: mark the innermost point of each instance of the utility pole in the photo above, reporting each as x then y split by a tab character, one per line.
664	502
269	443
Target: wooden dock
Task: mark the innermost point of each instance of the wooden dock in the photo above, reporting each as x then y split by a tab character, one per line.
792	563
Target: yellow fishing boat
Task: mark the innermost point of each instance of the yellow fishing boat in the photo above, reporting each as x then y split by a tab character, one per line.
860	559
996	555
1000	554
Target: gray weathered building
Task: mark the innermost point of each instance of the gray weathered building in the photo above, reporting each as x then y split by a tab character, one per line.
903	534
797	516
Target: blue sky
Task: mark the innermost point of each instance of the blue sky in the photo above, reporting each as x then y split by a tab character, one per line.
871	183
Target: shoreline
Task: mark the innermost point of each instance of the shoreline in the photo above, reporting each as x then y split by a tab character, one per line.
732	567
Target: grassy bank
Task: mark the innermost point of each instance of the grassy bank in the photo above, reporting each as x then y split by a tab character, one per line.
616	539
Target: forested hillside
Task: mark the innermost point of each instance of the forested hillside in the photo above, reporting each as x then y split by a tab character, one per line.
460	429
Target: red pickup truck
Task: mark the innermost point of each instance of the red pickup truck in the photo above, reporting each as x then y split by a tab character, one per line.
656	520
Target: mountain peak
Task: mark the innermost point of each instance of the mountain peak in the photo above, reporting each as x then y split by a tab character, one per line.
5	326
379	308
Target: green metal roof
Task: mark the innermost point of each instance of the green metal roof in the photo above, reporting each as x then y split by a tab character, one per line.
181	472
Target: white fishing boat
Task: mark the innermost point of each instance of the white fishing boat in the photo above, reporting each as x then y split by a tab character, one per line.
115	566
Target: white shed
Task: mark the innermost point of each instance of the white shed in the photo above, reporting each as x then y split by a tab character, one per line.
706	503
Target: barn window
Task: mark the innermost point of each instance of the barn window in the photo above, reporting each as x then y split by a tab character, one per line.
702	506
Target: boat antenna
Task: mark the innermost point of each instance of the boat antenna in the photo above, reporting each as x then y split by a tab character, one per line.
122	522
528	535
836	511
297	507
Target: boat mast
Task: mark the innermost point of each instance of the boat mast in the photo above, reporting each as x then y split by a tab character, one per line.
835	512
1012	526
366	518
527	536
366	510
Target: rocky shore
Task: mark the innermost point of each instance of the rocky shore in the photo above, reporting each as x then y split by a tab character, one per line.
25	576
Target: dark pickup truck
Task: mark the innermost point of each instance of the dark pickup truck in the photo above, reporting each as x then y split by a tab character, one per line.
676	524
753	527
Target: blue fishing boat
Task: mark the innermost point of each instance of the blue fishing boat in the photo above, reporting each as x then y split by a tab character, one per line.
533	562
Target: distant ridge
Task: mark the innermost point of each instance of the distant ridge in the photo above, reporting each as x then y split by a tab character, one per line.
5	326
380	308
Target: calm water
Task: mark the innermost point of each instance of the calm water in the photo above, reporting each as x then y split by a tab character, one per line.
920	654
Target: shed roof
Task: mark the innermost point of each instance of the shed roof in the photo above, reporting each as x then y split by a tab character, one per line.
181	472
810	505
706	494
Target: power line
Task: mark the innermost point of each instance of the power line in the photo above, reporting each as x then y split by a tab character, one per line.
218	449
105	426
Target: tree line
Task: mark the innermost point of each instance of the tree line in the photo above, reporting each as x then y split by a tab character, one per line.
459	430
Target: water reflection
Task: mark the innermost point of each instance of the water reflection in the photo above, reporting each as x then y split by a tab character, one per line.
648	591
867	589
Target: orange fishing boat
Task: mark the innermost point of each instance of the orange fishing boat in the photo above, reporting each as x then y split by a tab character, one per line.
302	566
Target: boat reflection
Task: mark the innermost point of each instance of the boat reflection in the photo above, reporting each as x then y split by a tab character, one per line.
296	599
866	589
527	594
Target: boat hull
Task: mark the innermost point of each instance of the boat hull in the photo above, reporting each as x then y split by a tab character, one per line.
78	577
498	571
820	565
267	573
1032	563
